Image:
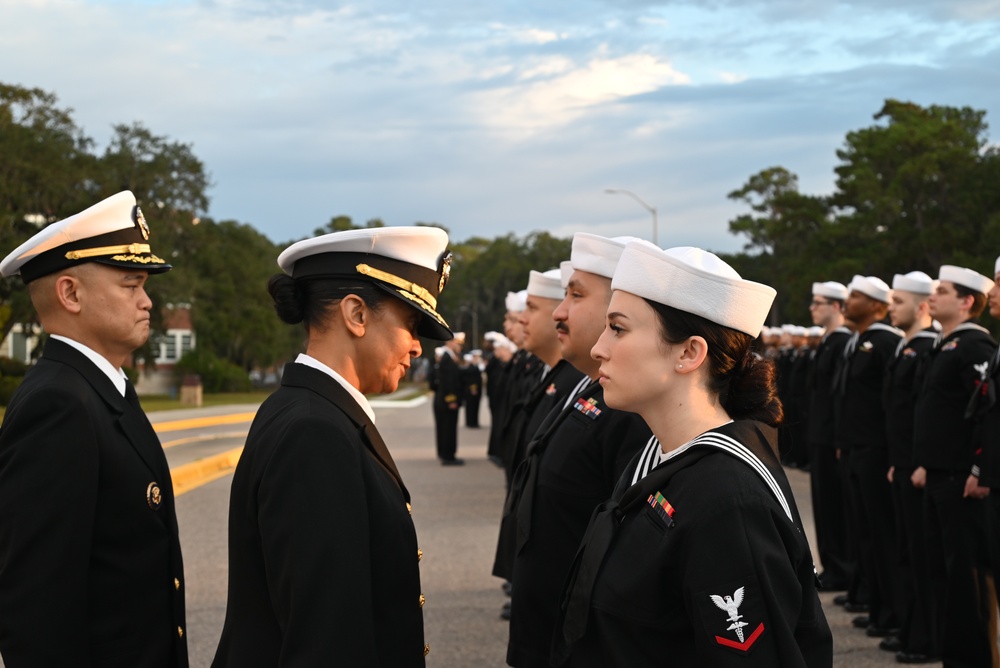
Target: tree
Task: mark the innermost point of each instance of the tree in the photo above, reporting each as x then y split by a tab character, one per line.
785	232
918	184
44	165
230	264
484	271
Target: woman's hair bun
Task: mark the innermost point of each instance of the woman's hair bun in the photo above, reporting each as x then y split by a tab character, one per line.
289	300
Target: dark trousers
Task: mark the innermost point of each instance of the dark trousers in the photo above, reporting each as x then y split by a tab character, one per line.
916	604
867	469
446	431
858	586
956	553
828	514
472	411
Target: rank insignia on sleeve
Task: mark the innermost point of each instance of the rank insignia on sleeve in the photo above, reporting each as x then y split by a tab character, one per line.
731	606
733	621
551	389
588	407
662	508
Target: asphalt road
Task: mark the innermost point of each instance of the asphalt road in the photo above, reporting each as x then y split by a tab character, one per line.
456	511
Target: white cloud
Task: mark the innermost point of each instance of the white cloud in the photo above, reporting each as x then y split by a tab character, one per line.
732	77
555	91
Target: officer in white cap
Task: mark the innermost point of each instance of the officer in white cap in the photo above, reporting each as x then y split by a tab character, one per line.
862	439
827	311
544	294
670	569
944	452
90	563
323	556
446	381
573	461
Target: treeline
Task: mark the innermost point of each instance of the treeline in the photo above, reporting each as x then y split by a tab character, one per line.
917	189
50	169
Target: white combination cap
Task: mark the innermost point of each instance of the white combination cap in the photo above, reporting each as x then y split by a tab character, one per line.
872	286
410	263
695	281
966	278
916	282
598	255
830	290
565	273
516	301
816	330
113	232
547	285
460	337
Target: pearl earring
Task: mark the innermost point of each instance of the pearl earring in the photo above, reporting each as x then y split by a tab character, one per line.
680	366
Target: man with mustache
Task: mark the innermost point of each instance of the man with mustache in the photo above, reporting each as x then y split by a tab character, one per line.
573	461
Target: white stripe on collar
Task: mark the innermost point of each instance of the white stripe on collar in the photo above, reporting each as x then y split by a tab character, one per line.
580	387
649	460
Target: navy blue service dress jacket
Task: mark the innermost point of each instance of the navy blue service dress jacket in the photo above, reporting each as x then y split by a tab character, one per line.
322	549
701	563
90	563
572	465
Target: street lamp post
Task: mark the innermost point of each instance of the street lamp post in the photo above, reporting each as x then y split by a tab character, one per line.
475	323
651	209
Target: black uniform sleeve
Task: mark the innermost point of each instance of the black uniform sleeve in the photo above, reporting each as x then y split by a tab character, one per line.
49	468
744	590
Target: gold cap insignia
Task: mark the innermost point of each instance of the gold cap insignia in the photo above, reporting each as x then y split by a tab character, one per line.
445	271
140	222
153	496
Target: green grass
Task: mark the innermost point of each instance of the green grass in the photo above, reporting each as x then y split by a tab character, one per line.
152	403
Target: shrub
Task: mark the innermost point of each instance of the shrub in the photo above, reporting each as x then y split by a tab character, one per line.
11	367
217	375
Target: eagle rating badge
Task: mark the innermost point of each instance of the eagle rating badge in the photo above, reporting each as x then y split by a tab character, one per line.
731	620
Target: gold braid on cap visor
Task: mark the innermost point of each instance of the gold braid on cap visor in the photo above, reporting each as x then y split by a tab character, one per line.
422	293
131	249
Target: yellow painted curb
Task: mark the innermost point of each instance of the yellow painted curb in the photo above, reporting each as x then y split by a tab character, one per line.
191	476
194	423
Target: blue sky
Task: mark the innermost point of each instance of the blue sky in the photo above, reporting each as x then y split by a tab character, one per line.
491	118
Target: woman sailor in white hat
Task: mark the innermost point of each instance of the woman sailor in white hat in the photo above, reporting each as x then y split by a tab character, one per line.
699	558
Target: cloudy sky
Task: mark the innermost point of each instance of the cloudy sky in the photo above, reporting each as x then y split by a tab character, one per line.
508	116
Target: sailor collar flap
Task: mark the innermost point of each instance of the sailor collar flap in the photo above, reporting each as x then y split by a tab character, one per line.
746	440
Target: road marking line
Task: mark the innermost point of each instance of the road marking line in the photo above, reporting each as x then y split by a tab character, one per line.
194	423
205	437
197	473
